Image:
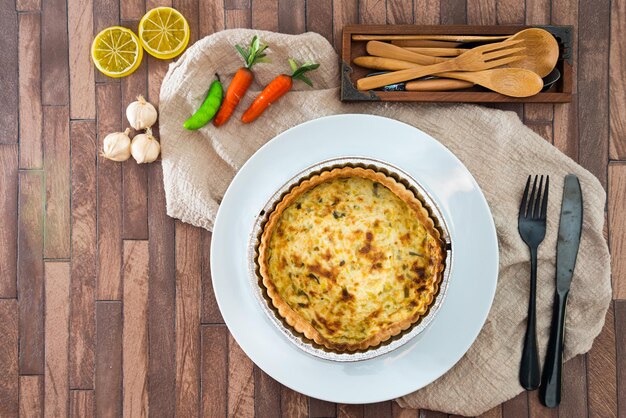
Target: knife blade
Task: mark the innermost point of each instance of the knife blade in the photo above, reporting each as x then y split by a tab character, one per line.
570	228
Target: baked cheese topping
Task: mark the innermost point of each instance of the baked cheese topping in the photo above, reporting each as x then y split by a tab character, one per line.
352	259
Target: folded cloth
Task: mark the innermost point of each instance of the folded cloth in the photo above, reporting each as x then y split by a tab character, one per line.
494	145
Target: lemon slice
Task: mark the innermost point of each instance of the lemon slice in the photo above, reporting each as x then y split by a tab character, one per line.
116	51
164	32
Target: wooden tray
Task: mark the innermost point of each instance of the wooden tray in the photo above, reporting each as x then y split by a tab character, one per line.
561	92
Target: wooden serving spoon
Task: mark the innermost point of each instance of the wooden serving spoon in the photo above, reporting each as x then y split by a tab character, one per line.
514	82
542	51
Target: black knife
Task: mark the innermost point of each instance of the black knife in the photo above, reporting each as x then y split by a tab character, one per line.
570	226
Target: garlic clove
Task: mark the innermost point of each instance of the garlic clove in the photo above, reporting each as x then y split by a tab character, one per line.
116	146
141	114
145	148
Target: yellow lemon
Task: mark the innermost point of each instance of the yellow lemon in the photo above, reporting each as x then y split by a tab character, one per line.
164	32
116	51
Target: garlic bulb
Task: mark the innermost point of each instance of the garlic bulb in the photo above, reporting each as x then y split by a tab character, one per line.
145	148
116	146
141	114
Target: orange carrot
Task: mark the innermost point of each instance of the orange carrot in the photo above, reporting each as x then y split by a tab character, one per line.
241	81
276	89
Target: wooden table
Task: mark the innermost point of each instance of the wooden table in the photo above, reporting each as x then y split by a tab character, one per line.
129	322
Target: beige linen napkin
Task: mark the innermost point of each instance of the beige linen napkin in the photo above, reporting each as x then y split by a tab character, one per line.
496	148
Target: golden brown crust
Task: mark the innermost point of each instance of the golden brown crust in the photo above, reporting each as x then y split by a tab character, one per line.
292	317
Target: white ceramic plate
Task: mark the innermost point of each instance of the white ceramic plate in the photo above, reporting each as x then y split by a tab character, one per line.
474	258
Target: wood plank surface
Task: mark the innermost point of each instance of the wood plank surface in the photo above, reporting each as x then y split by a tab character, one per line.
81	404
31	152
516	407
481	12
620	344
399	12
108	389
156	339
617	87
240	382
377	410
135	328
510	12
291	16
8	220
319	17
54	53
601	372
56	148
617	227
453	12
565	12
373	12
188	290
30	273
266	395
84	254
27	5
132	9
8	69
56	389
293	404
31	396
574	388
344	13
319	408
215	370
82	72
134	176
210	16
495	412
161	299
427	12
9	383
593	112
109	213
210	311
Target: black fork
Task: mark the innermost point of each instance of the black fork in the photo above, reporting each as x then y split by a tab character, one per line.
532	229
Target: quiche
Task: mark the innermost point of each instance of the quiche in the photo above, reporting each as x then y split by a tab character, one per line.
350	258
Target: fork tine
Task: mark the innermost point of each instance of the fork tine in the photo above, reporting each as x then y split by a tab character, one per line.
502	61
544	203
501	53
531	201
522	207
538	200
497	45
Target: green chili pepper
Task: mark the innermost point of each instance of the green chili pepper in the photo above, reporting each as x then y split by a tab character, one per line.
208	108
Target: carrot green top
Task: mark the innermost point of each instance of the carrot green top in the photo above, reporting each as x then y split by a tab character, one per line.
298	71
255	52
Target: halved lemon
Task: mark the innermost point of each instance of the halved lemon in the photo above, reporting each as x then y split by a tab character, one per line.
164	32
116	51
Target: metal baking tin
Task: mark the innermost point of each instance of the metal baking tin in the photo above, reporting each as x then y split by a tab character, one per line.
298	339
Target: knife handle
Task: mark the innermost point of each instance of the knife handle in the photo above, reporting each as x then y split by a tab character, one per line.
529	376
551	382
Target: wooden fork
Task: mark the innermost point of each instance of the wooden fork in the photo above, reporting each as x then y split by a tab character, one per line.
480	58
